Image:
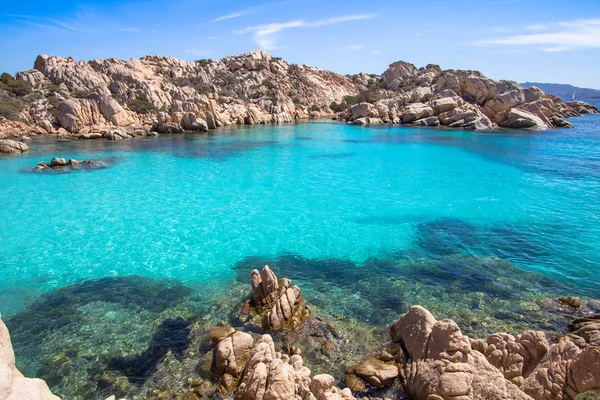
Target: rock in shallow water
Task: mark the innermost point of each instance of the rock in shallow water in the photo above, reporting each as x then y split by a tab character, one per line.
12	147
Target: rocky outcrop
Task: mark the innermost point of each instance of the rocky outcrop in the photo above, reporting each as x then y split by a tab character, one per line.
442	363
277	304
13	385
167	95
257	372
464	99
8	146
58	164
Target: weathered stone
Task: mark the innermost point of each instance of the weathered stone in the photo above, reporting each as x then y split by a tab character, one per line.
8	146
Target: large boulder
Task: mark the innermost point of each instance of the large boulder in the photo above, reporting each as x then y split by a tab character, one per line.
496	107
8	146
191	122
521	119
74	114
442	105
112	110
442	363
415	111
362	110
13	385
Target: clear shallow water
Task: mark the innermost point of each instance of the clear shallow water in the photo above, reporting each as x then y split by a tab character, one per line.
329	204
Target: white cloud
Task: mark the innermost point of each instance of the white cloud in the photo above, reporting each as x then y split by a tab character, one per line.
264	34
228	16
568	35
128	29
354	47
539	27
375	52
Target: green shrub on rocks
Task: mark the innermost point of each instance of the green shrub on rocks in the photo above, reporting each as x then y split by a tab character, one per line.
142	105
13	86
591	395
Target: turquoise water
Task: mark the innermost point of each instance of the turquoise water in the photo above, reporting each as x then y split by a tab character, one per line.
328	202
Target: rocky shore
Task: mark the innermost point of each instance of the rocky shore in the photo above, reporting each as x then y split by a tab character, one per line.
115	99
420	357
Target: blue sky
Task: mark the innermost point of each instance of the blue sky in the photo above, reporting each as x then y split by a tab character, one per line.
535	40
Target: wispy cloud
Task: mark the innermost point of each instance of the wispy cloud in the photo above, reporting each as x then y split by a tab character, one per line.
353	47
563	36
539	27
225	17
264	34
19	16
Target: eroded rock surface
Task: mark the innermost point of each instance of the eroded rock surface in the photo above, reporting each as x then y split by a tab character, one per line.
277	303
442	363
261	373
8	146
13	385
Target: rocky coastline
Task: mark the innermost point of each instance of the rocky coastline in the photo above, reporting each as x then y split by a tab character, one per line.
115	99
269	351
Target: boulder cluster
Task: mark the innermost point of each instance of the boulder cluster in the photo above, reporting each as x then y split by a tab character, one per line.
115	99
423	359
62	165
256	371
441	363
459	99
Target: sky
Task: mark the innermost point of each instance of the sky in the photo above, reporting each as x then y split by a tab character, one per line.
523	40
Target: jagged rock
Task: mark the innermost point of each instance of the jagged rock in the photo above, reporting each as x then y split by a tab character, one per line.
444	364
581	107
13	385
270	375
278	302
8	146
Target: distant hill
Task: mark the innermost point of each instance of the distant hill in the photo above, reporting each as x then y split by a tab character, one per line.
564	91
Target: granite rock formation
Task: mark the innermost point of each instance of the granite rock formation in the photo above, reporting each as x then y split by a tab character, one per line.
442	363
257	372
9	146
115	99
277	303
13	385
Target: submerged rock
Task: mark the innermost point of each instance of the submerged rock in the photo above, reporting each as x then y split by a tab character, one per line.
62	165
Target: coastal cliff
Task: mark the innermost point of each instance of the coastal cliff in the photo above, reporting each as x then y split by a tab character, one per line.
115	99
